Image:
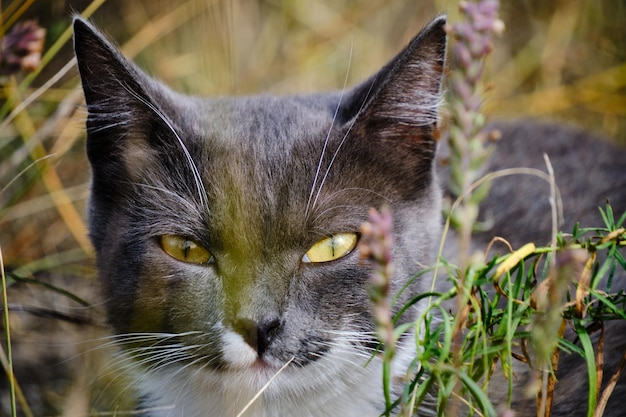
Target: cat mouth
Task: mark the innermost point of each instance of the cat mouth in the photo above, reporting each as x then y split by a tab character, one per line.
268	369
261	370
263	365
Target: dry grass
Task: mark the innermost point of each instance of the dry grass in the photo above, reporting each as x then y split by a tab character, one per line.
557	59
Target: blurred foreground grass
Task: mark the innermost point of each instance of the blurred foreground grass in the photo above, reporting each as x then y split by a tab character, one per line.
562	60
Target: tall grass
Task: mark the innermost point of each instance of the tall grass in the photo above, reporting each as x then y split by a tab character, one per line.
511	311
518	308
565	61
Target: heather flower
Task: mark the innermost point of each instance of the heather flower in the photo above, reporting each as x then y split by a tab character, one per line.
469	147
472	43
376	246
21	48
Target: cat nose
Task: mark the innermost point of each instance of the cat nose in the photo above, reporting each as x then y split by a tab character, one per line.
257	335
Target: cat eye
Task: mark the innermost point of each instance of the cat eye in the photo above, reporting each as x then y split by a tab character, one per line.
331	248
185	249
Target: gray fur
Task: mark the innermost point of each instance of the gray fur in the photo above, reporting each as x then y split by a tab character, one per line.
257	181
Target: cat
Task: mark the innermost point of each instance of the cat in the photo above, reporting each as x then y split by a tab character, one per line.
226	229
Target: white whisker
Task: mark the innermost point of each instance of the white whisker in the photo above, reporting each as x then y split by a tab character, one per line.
343	140
202	194
326	140
179	199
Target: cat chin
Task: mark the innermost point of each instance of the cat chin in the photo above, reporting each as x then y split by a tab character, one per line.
294	394
339	383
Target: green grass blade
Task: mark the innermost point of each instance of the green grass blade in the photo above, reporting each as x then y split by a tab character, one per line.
589	357
7	331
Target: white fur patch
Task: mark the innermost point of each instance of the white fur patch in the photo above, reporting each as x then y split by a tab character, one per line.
236	351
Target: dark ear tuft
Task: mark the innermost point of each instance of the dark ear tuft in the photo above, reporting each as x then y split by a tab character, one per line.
391	118
402	99
104	71
120	98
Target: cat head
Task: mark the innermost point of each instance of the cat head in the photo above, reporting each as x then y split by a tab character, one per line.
229	225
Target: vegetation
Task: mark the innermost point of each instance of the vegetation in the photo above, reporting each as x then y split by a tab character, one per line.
516	308
512	311
563	60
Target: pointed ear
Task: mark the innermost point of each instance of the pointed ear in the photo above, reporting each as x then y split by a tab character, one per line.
108	78
103	69
400	102
121	99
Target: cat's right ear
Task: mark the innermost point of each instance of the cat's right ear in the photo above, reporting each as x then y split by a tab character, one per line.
105	73
121	99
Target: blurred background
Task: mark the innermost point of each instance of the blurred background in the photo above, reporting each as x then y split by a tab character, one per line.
558	59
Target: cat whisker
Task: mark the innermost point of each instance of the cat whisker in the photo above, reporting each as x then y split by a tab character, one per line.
131	354
343	206
202	194
146	355
187	381
356	358
107	342
343	140
356	344
345	356
152	335
350	189
351	332
153	360
347	334
180	199
354	347
327	139
148	359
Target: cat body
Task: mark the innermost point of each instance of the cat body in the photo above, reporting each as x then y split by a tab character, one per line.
225	231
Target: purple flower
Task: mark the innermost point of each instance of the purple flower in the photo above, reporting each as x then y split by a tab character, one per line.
376	246
472	42
21	48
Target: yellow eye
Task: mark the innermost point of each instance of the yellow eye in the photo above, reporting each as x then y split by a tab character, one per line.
185	250
331	248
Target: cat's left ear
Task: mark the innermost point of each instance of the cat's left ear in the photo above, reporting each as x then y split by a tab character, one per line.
400	102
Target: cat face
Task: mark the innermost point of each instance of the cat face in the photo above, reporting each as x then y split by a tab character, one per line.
226	229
